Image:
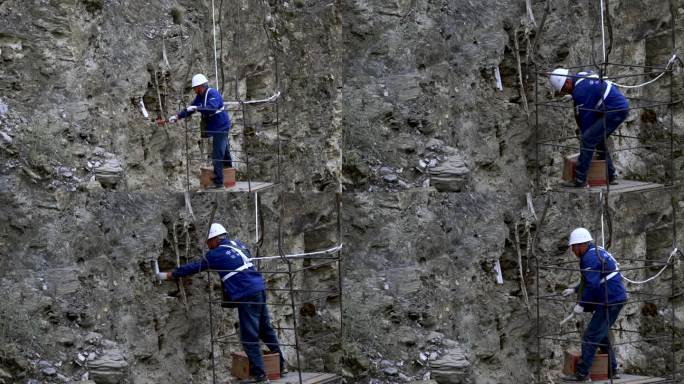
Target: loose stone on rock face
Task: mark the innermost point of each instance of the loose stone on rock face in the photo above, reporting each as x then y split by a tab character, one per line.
386	171
4	374
391	178
453	367
5	137
49	371
386	363
451	175
109	368
109	173
391	371
31	173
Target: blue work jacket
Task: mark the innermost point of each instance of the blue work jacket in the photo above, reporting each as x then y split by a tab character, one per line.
210	105
600	272
244	282
592	97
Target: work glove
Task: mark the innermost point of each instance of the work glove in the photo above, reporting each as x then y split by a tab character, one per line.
568	291
164	276
173	119
191	108
578	309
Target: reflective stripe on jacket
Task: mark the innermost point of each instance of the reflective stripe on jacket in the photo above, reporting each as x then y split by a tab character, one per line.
602	282
591	96
225	258
210	105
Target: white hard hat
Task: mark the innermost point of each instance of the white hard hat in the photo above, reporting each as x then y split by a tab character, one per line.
557	78
216	230
199	79
579	236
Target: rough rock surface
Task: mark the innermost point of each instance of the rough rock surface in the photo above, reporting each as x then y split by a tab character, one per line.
393	103
449	174
452	368
110	368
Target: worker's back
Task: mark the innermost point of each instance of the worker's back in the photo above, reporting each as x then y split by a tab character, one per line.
600	268
210	104
589	95
245	280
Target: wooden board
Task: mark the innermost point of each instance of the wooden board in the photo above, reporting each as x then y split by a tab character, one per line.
309	378
633	379
623	186
239	187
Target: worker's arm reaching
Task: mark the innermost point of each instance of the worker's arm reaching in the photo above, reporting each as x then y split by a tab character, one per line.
187	111
185	270
191	268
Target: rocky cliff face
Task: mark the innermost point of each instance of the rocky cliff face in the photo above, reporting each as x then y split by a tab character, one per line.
395	104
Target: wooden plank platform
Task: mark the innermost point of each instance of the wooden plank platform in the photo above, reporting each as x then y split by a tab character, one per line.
309	378
633	379
623	186
240	186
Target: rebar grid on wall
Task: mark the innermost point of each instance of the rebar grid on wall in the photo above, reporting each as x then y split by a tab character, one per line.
669	264
318	259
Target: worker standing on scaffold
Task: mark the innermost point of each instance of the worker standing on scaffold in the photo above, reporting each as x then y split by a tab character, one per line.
592	99
210	104
602	292
245	287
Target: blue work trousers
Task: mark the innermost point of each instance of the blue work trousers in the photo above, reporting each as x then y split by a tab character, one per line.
220	156
593	138
596	336
255	325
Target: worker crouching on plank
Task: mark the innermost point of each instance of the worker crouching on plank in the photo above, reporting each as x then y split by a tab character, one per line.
602	292
599	109
246	287
210	104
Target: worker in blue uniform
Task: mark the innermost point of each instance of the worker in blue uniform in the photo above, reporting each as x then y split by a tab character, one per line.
209	103
602	292
599	109
245	286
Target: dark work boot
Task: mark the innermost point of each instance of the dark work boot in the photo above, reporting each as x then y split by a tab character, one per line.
255	380
576	378
573	184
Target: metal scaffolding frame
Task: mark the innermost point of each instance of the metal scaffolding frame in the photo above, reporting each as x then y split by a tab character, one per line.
635	297
666	265
331	257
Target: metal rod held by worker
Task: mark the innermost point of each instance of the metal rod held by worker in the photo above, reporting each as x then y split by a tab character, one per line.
570	316
155	265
